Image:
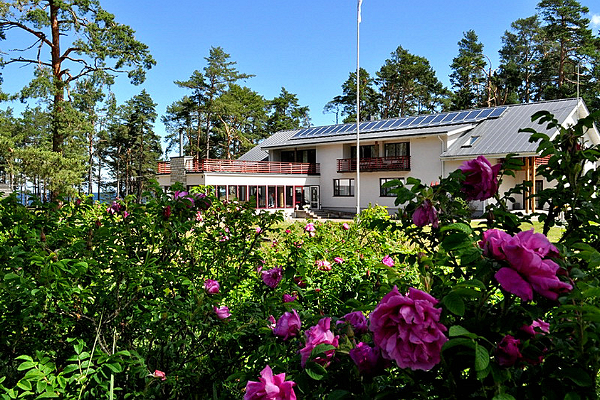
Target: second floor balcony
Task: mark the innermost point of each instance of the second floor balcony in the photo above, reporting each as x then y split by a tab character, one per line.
400	163
244	167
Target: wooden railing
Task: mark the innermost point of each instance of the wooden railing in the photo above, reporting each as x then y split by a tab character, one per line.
250	167
164	167
401	163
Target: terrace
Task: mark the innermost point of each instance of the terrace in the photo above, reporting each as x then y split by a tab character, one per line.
244	167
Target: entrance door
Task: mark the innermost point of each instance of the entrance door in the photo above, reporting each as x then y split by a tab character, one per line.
314	197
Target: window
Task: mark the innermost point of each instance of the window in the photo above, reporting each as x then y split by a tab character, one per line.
221	192
385	191
470	142
343	187
242	193
397	149
365	151
232	193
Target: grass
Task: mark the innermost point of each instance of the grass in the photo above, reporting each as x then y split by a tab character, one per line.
554	234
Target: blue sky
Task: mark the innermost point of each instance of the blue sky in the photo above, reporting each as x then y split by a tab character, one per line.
308	46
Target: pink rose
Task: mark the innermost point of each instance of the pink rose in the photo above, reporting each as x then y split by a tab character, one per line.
324	265
528	271
222	312
211	286
310	227
507	352
272	277
358	321
315	336
289	298
288	325
258	229
493	240
538	327
407	329
270	387
387	260
338	260
345	226
425	214
159	374
368	359
481	180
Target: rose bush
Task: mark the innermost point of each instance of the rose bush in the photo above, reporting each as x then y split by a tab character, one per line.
128	294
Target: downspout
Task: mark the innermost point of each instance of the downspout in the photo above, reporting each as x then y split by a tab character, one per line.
442	162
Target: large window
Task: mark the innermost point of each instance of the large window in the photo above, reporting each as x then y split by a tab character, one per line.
385	191
343	187
367	151
397	149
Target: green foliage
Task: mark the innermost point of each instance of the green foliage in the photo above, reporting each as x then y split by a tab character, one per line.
96	299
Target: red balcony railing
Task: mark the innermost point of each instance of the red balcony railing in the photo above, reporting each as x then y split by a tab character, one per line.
401	163
250	167
164	167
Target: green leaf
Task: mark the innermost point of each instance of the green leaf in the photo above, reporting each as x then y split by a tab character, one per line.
578	376
458	342
115	368
25	365
454	303
503	396
457	330
338	394
24	384
457	226
321	349
315	371
48	395
482	358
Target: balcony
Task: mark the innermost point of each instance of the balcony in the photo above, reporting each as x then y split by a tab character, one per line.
243	167
401	163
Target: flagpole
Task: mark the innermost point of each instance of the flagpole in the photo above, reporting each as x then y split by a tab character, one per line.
358	19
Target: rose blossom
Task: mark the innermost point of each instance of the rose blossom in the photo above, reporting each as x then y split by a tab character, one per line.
492	242
211	286
324	265
338	260
481	180
272	277
425	214
507	352
315	336
358	321
528	271
222	312
272	322
543	327
310	227
407	329
345	226
288	325
368	359
159	374
258	229
287	298
387	260
270	387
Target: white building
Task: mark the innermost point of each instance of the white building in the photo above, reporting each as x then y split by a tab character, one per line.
316	166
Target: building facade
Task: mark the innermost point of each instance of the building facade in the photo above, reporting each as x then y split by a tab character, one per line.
316	167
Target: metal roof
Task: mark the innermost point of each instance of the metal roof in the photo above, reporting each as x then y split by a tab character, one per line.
502	136
351	137
257	153
497	132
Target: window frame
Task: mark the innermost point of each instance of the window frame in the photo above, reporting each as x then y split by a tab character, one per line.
337	187
385	192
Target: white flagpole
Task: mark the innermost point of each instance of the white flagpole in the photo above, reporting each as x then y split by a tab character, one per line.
357	188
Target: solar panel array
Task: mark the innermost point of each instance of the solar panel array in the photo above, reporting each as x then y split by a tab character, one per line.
449	118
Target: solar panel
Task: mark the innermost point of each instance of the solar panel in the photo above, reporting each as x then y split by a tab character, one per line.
498	111
454	117
427	120
485	113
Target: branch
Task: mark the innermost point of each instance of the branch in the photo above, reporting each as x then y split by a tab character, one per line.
25	60
67	52
38	34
